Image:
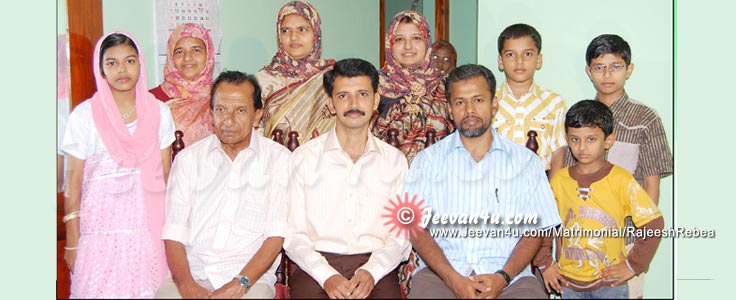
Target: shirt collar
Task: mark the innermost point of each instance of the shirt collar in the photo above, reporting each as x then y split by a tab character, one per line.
254	146
333	144
498	144
533	89
619	102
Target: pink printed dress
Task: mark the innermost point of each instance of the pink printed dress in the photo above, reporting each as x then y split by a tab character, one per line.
115	256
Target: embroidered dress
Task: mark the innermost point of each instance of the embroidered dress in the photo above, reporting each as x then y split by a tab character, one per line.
120	252
115	256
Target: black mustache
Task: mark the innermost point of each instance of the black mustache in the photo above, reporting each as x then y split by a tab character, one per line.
353	111
468	117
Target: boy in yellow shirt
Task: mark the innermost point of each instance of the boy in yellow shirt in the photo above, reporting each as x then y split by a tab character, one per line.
593	197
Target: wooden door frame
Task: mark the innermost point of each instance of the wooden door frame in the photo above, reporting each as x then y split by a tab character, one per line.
442	20
84	22
85	28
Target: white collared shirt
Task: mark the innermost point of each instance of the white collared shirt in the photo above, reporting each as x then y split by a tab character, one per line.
335	205
222	210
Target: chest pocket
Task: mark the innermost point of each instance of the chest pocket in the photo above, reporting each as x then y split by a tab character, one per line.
540	126
252	212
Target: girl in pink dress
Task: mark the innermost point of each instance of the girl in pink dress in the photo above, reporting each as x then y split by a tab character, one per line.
118	146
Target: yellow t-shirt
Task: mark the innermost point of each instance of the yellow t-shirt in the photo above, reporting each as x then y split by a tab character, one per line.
593	229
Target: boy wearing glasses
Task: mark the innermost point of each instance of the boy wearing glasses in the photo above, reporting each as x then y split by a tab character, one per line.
641	145
522	104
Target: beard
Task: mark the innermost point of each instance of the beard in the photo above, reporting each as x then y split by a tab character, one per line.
470	132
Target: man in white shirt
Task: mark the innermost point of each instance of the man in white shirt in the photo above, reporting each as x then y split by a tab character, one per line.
225	211
338	186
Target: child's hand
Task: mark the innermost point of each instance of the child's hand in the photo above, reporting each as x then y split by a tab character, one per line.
552	278
619	271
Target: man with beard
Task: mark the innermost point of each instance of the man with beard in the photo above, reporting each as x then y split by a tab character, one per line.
338	187
476	171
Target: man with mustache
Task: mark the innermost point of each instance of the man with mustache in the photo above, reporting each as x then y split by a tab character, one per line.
338	186
475	170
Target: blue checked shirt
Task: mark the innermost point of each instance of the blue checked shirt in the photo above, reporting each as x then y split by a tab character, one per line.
510	180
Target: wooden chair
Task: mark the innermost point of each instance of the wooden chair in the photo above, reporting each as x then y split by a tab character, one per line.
282	271
407	268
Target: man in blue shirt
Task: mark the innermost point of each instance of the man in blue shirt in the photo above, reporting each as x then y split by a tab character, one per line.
474	171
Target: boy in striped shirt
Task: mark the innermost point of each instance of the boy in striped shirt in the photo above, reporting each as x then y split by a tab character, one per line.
522	104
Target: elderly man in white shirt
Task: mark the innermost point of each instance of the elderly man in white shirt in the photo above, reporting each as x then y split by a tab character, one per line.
225	211
338	187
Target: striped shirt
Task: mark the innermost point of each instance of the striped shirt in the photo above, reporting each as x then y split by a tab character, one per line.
509	180
641	145
540	110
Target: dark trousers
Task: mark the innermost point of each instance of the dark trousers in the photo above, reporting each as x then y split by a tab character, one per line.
426	284
303	286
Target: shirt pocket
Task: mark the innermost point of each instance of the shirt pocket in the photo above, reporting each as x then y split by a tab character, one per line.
252	214
541	126
374	194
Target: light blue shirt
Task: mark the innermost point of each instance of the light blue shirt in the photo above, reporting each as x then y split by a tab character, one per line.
508	181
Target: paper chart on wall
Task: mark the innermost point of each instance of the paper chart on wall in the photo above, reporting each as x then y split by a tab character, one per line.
171	13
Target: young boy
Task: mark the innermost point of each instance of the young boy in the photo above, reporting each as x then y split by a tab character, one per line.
595	196
641	145
523	105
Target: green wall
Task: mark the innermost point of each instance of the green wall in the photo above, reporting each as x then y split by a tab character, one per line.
566	30
249	30
61	19
464	30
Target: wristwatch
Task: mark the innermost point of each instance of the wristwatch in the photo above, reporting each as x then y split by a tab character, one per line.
505	276
244	281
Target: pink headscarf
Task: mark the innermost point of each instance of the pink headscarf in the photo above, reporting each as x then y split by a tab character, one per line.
192	114
138	150
284	65
200	85
397	80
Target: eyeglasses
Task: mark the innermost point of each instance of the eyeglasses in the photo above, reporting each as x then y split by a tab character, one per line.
443	58
614	68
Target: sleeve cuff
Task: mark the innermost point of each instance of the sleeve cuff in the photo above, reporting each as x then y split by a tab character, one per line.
175	233
628	265
277	229
375	270
322	273
73	152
